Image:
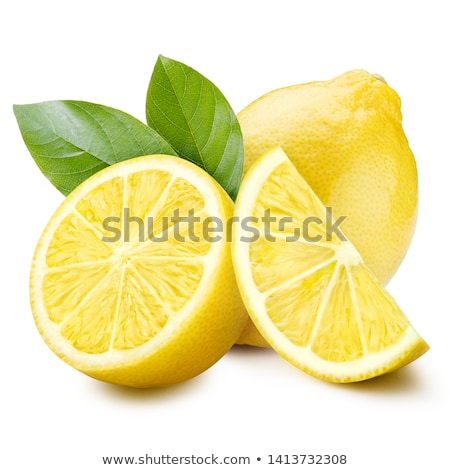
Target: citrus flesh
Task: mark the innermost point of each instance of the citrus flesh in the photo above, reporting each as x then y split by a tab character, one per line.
345	137
124	289
307	288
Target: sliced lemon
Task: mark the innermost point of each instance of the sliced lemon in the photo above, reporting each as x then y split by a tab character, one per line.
129	283
305	285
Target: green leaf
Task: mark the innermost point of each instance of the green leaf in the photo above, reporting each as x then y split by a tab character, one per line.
192	114
72	140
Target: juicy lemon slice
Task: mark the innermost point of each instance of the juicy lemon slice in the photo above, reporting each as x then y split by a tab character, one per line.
306	287
126	285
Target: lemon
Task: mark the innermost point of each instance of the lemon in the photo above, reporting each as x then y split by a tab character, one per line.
124	289
345	137
306	287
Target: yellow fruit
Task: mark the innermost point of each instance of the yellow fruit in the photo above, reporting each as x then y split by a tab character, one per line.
306	287
126	308
345	137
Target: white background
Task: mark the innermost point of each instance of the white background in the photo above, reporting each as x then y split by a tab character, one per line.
251	403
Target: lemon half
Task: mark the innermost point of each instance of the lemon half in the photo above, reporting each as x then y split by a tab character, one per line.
124	289
306	287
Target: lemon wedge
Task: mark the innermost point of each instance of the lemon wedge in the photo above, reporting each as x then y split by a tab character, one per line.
305	285
124	284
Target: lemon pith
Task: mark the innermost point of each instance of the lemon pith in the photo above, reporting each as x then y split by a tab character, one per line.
315	302
345	137
153	306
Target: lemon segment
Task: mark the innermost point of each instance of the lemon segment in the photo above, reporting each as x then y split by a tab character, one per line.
124	289
312	298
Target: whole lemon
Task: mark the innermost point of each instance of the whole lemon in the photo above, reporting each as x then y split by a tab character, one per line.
345	137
